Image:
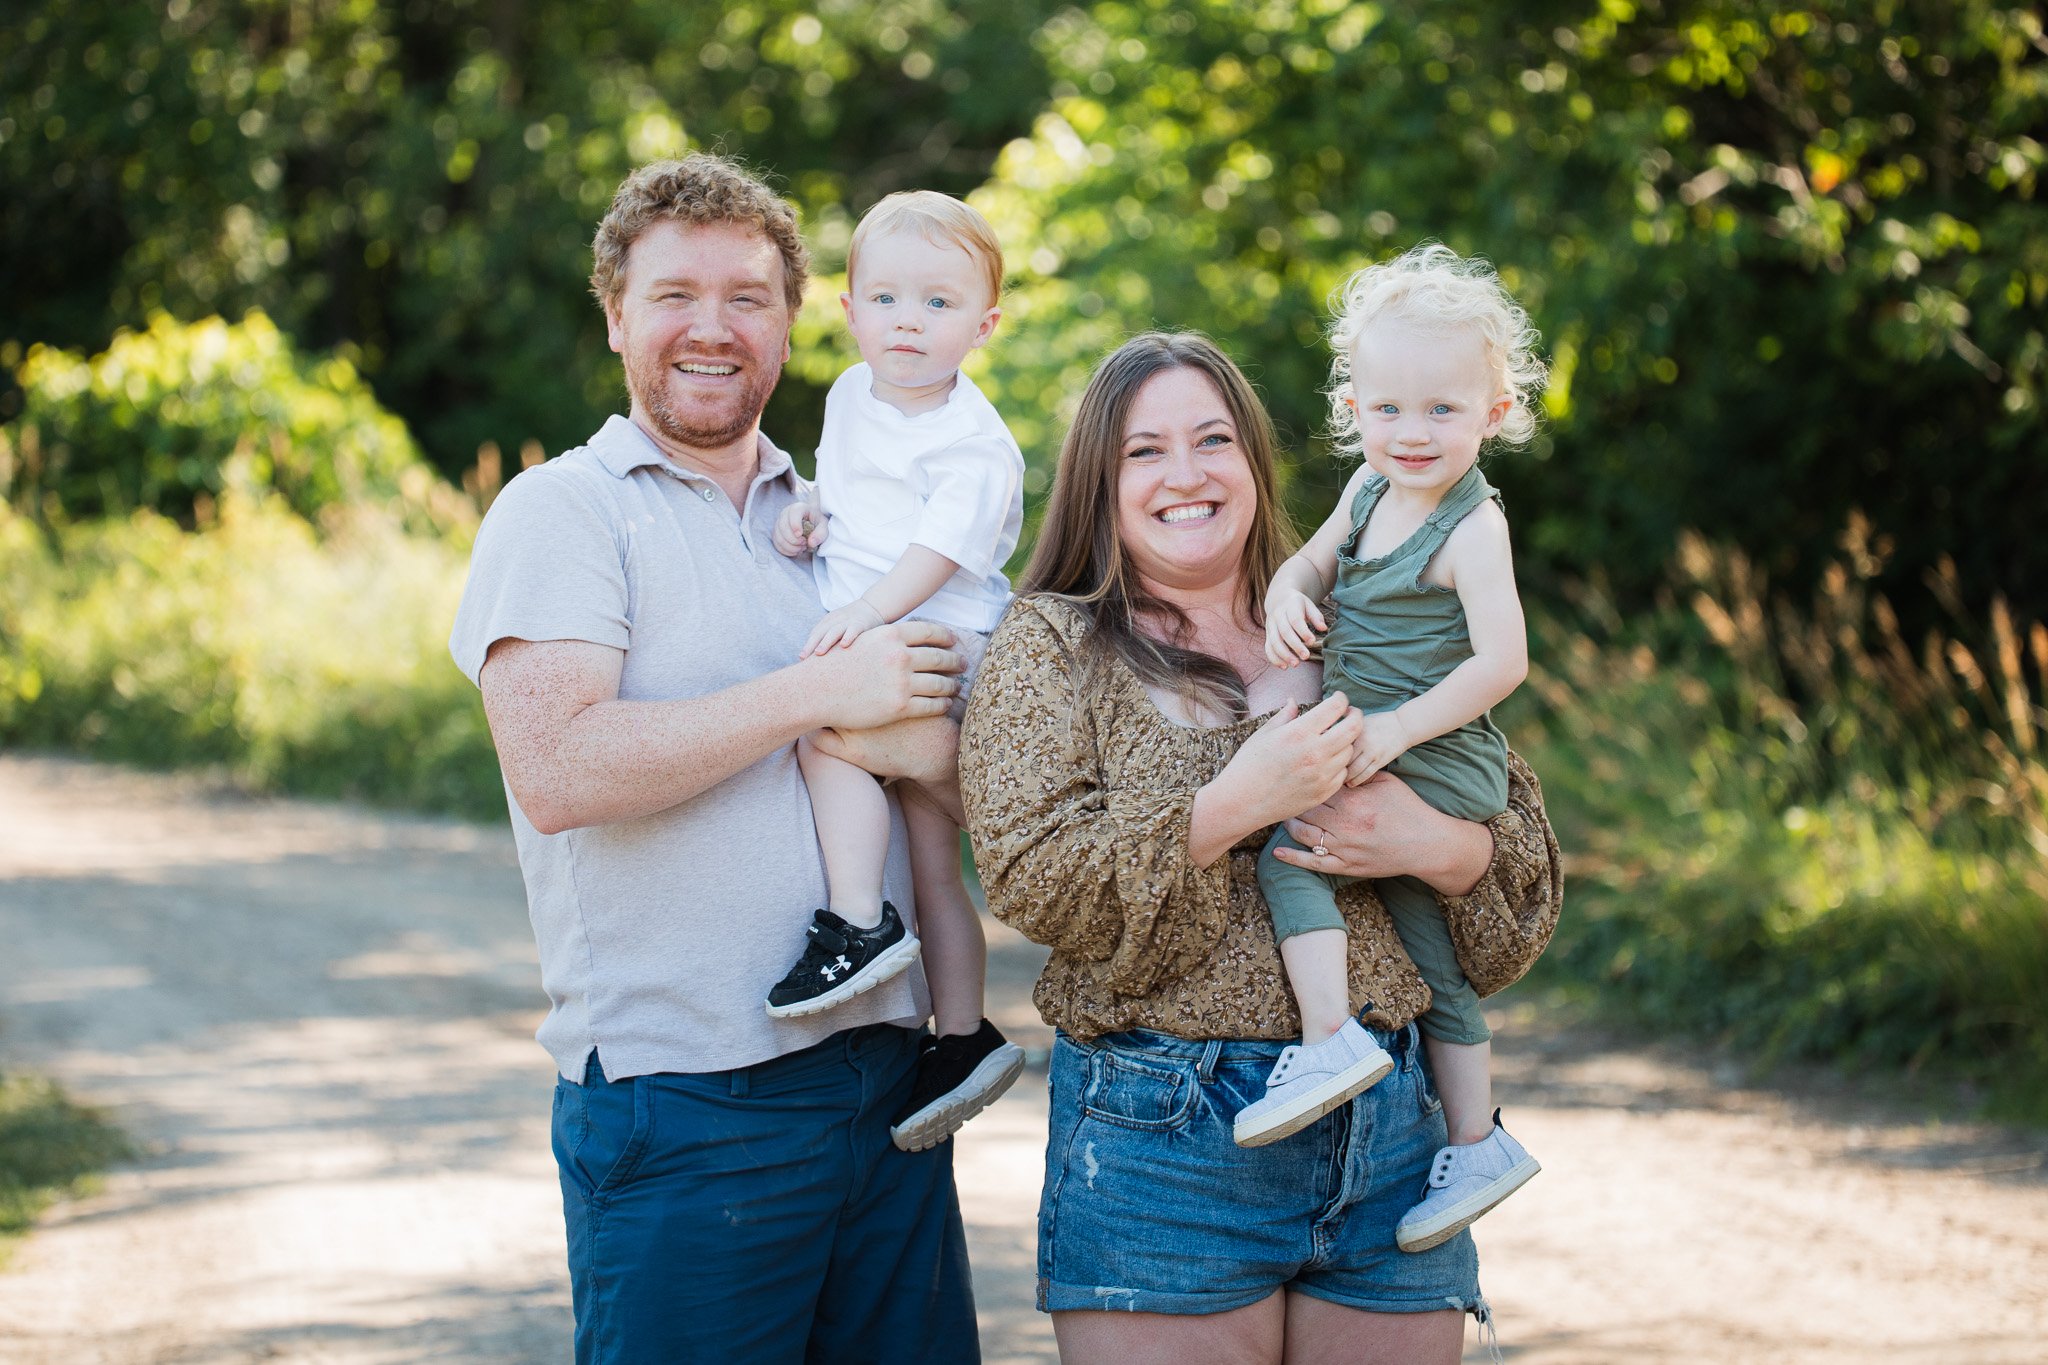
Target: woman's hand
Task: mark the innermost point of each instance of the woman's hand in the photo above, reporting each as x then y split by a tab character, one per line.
1291	762
1383	829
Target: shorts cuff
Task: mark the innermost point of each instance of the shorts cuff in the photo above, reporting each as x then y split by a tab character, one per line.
1473	1303
1055	1297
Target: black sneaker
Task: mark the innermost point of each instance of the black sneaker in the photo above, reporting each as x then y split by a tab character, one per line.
840	962
958	1076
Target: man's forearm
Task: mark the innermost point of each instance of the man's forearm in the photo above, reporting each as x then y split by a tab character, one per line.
620	760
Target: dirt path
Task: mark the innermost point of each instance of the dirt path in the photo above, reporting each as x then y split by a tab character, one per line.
317	1021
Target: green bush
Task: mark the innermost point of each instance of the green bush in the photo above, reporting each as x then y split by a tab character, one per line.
299	662
173	417
1793	831
49	1147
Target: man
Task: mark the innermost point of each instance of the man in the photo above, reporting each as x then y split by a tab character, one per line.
728	1181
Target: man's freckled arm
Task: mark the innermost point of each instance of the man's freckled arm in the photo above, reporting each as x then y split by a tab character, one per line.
574	754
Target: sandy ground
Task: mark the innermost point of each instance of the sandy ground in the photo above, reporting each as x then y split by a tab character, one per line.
316	1020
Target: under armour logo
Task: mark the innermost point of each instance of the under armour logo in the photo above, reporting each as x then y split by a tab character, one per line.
831	970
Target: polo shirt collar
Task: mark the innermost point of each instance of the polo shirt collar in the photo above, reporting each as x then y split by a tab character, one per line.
621	447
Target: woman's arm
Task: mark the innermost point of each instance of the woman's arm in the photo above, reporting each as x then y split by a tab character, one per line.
1500	884
1096	873
1383	829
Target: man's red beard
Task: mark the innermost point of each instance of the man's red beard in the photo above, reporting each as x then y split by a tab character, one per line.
707	427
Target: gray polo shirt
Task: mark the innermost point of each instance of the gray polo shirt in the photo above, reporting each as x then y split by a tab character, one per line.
659	937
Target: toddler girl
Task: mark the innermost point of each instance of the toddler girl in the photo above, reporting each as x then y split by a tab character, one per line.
1433	360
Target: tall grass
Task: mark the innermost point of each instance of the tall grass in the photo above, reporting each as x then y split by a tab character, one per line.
1799	831
298	661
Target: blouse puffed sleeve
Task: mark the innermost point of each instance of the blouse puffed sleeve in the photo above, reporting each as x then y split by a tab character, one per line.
1095	871
1502	925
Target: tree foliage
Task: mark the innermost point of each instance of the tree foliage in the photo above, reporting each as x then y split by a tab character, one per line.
1786	255
170	417
1788	259
419	181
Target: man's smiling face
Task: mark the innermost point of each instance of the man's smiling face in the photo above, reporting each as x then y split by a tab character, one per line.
703	329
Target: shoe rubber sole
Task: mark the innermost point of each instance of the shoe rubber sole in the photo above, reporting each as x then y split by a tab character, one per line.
890	964
1467	1211
1339	1089
943	1117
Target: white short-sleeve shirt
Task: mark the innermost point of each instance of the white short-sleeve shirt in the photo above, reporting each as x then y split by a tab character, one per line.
951	479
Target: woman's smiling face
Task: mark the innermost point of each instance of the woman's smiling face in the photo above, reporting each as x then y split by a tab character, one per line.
1185	494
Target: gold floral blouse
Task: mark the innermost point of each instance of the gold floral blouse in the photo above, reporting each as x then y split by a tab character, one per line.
1079	809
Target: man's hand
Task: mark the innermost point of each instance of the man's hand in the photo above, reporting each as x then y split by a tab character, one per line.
800	529
923	753
1385	739
1383	829
895	672
1293	625
842	627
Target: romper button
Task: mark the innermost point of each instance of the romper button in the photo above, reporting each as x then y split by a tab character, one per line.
707	495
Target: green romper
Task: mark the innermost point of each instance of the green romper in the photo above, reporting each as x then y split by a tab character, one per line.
1394	638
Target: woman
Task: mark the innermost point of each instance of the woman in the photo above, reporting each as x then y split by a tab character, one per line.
1118	771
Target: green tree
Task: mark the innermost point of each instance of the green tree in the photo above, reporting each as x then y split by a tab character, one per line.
418	183
1787	258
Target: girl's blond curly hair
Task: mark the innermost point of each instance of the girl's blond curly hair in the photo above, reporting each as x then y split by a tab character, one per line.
1435	287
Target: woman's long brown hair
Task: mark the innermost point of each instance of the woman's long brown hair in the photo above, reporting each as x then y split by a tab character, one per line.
1081	557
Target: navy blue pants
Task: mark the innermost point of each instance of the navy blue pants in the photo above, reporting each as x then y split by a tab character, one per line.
762	1214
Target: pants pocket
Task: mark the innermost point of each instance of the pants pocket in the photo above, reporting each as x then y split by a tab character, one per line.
602	1129
1149	1093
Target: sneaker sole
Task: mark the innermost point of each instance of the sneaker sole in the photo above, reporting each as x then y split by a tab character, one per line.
888	966
943	1117
1467	1211
1339	1089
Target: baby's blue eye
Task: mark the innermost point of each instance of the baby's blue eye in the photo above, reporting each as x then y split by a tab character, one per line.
940	303
885	298
1387	408
1441	407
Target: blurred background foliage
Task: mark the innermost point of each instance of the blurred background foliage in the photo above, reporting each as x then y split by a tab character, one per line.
288	288
1786	257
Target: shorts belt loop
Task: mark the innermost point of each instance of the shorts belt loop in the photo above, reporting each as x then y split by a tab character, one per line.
1212	1052
741	1081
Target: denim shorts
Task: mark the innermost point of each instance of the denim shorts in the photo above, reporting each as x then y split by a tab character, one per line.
1150	1206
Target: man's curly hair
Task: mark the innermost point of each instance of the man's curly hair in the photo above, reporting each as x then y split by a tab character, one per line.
702	189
